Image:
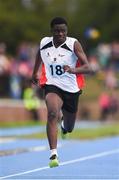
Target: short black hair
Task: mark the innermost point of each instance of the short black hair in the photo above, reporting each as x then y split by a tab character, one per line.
58	20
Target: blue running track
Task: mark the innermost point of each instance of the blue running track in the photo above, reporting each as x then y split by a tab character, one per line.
83	159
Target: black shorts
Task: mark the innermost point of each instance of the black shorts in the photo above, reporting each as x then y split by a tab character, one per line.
70	100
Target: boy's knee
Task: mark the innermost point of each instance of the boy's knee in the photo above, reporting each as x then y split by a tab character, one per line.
52	115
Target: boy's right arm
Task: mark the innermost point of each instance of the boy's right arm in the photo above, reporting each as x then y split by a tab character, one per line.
38	61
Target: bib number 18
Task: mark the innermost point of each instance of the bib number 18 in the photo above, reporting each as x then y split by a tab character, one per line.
56	70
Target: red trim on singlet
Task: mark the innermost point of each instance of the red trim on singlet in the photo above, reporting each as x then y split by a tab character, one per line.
42	78
80	78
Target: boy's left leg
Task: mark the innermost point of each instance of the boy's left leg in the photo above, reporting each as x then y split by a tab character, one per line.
69	111
68	122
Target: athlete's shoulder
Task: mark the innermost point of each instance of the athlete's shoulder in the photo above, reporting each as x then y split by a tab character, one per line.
44	41
71	39
70	42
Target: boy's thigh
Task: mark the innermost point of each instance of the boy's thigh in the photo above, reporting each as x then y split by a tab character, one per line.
70	103
53	98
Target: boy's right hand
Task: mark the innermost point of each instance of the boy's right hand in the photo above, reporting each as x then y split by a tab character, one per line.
34	79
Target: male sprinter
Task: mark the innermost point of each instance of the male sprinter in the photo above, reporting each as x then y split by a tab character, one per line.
59	57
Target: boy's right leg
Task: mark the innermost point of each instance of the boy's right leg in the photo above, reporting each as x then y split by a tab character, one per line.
54	104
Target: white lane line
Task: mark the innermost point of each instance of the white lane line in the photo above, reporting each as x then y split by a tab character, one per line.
94	156
7	140
105	153
25	150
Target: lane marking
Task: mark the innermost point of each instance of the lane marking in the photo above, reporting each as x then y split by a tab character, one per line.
15	151
94	156
7	140
105	153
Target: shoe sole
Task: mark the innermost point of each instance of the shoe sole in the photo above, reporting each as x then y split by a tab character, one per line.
54	163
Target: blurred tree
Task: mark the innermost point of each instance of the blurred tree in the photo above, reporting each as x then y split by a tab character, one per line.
29	19
102	15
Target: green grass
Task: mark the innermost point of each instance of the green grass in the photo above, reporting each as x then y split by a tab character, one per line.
107	130
111	129
92	133
13	124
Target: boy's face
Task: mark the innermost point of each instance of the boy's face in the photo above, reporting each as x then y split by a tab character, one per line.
59	32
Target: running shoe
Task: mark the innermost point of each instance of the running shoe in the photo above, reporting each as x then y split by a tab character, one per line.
53	161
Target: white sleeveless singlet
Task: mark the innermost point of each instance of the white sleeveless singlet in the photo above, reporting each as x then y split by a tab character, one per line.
54	59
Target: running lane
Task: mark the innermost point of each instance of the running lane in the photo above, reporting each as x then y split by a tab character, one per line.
94	159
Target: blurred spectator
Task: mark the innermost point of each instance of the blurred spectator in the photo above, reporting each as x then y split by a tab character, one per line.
114	59
20	71
103	52
94	64
31	101
15	80
4	61
110	79
24	63
14	71
23	51
104	103
4	70
114	104
109	105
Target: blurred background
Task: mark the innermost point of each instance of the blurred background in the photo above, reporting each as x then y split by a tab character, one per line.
22	25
